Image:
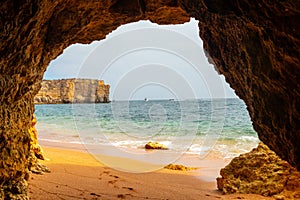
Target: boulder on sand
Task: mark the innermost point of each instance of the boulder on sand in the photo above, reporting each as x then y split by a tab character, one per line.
260	171
155	145
179	167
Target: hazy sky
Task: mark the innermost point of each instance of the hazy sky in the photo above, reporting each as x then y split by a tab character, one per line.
143	60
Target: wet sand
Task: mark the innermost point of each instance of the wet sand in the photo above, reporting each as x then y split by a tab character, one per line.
76	174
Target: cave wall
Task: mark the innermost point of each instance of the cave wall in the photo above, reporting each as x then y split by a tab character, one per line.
255	44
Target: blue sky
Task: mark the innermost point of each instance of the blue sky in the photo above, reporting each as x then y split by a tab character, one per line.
143	60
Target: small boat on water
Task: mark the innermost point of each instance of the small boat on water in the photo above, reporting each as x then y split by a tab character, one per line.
146	99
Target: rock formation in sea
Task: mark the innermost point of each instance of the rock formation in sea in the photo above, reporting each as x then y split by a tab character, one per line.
72	91
255	44
155	145
260	171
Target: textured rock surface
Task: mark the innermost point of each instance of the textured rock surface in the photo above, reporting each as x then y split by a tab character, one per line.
72	91
260	171
179	167
255	44
34	145
155	145
36	151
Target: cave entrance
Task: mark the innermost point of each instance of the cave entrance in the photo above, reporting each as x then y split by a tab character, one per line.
162	89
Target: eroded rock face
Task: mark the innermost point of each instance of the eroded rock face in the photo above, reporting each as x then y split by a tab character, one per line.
35	32
34	145
72	91
255	44
260	171
36	152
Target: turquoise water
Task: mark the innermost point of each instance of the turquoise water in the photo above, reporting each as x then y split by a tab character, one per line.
192	126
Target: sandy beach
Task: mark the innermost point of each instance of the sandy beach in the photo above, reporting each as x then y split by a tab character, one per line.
75	174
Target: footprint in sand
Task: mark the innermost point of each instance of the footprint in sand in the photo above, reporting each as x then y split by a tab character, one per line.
128	188
114	176
107	173
94	194
209	195
123	196
112	182
104	173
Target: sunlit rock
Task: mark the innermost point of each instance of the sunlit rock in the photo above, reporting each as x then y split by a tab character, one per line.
36	151
155	145
72	91
254	44
34	145
260	171
179	167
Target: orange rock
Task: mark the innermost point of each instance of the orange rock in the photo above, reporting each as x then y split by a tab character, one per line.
155	145
36	151
260	171
34	145
179	167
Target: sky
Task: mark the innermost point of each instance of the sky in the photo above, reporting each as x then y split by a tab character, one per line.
145	60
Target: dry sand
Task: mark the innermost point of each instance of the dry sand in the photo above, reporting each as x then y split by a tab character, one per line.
75	174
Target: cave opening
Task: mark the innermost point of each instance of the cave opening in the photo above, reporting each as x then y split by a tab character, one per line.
254	44
151	69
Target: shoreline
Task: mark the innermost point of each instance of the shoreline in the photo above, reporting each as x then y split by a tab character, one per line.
76	174
208	167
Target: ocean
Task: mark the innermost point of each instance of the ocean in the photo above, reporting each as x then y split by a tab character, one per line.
197	127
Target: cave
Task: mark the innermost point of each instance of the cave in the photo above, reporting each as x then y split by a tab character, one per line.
254	44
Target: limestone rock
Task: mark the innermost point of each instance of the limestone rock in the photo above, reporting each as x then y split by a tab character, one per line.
72	91
260	171
35	166
254	43
34	145
36	151
155	145
179	167
15	190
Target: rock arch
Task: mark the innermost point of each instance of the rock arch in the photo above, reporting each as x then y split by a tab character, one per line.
254	43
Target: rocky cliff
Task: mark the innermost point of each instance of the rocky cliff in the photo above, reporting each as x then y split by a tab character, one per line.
254	43
72	91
